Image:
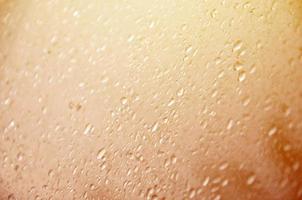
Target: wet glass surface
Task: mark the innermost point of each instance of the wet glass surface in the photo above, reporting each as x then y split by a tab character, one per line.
156	100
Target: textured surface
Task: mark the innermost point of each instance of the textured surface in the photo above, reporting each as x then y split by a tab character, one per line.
163	99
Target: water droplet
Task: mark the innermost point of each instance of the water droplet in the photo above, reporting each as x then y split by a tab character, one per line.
230	124
89	128
92	187
20	156
151	25
101	49
246	101
251	180
272	131
76	14
11	197
101	154
225	183
237	46
223	166
180	92
238	66
221	74
206	181
299	193
130	38
154	197
155	127
124	100
296	166
104	80
173	159
171	102
218	197
213	13
192	193
7	101
241	76
287	147
50	173
189	49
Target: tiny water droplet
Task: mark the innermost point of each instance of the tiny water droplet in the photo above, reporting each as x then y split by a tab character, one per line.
272	131
189	49
206	181
218	197
124	100
89	128
237	46
296	166
223	166
287	148
76	13
251	180
192	193
11	197
101	154
225	183
50	173
230	124
171	103
180	92
241	75
104	80
130	38
20	156
154	127
246	101
238	66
